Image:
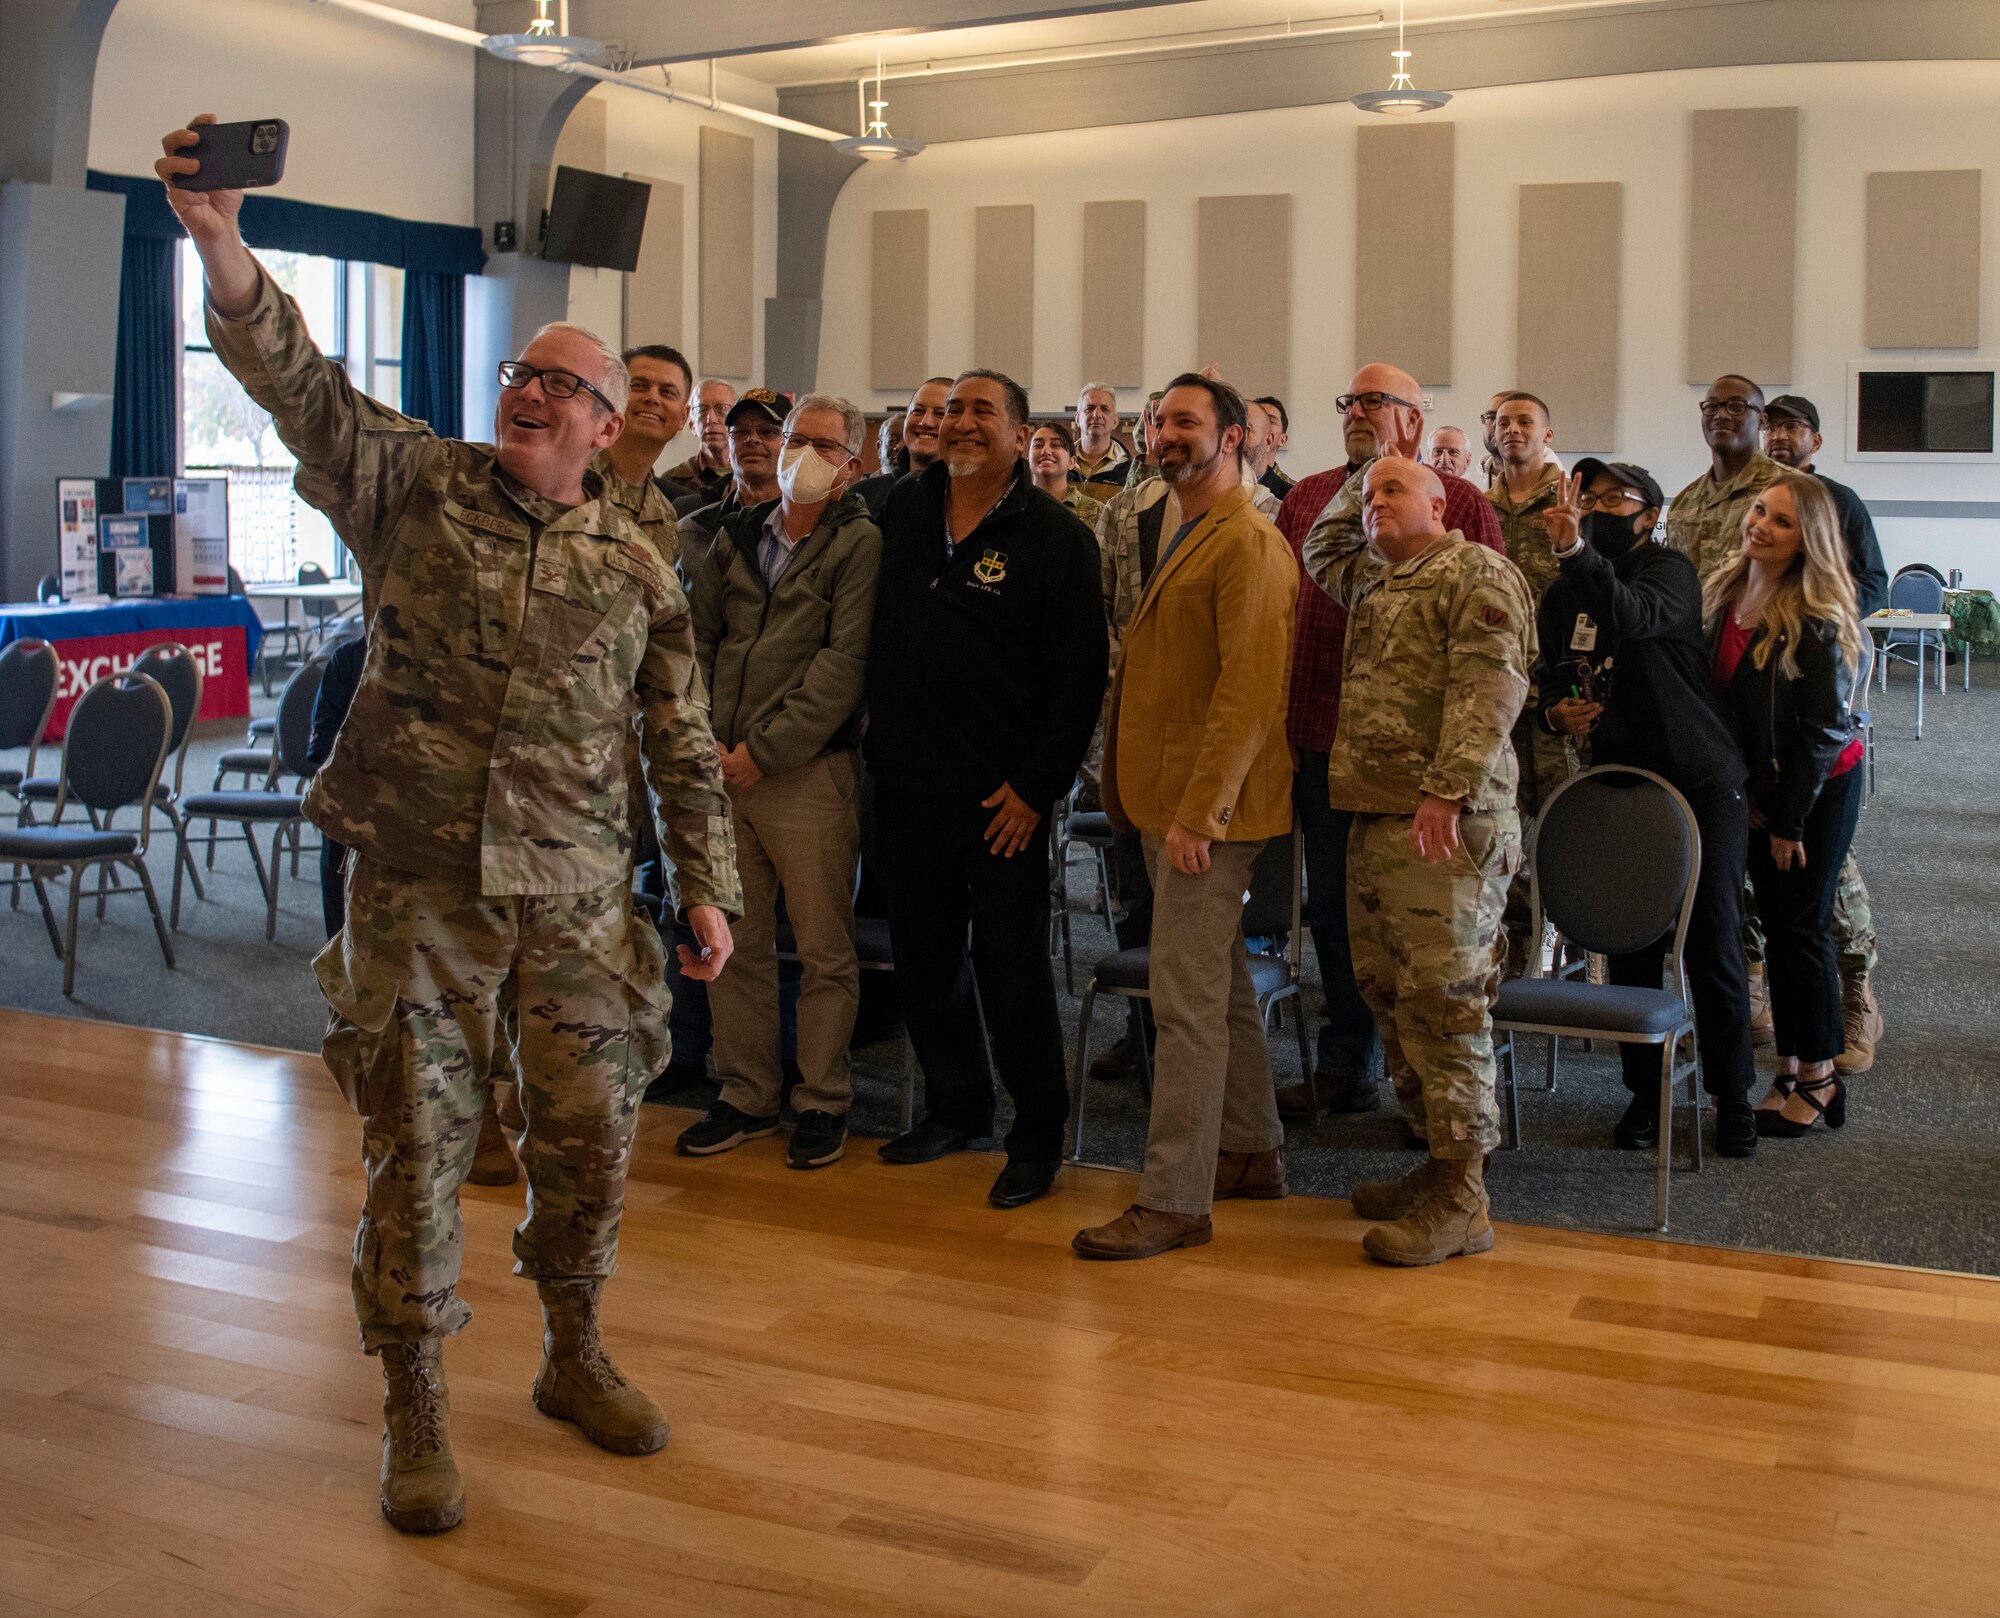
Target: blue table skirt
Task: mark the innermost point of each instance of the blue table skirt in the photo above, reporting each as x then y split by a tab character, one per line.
85	619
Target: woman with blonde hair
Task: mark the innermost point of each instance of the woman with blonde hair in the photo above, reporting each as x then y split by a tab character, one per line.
1788	649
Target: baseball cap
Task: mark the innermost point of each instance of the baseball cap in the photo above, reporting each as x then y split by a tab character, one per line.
1796	406
1633	477
772	405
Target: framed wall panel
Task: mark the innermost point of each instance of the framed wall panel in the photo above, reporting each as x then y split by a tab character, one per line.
1114	293
1923	260
900	299
1742	270
727	250
1003	290
655	293
1404	175
1243	291
1566	320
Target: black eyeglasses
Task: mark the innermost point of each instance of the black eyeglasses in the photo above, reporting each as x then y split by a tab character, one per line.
555	383
1605	502
1730	407
1371	401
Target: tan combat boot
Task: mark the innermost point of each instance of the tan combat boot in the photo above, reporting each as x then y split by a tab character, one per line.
1260	1175
1861	1022
1394	1199
579	1383
421	1493
493	1159
1762	1030
1450	1220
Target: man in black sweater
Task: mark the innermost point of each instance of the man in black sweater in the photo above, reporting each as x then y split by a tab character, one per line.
1624	672
986	671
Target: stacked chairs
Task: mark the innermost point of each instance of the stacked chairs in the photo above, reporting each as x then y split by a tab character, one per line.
113	752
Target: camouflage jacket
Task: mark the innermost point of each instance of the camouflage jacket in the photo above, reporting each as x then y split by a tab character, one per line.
1523	531
1122	561
1439	650
1705	521
646	504
512	642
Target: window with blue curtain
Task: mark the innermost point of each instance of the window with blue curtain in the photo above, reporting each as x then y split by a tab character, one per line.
149	352
434	349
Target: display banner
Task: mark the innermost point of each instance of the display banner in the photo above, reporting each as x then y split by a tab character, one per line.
225	667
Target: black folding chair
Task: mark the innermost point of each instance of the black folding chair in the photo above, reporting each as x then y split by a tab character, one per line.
30	671
112	755
1613	858
1272	908
284	812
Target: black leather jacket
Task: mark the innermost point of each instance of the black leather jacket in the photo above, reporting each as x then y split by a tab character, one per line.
1791	730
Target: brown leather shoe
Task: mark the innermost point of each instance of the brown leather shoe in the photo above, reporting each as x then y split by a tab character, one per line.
1258	1175
1142	1233
1295	1105
493	1159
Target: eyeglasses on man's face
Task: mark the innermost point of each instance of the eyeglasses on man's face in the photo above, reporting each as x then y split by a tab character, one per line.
1371	401
752	427
557	384
1733	408
832	449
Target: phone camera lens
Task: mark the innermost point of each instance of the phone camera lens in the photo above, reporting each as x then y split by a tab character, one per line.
264	140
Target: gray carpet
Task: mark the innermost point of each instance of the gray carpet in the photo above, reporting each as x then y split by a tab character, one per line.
1911	1180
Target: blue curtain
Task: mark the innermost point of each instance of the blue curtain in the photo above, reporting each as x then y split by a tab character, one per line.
434	350
142	407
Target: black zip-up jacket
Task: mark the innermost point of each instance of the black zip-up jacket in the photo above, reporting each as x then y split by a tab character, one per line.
989	667
1791	731
1649	665
1864	550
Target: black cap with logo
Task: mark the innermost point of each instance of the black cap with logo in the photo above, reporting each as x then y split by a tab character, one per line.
766	402
1635	478
1794	407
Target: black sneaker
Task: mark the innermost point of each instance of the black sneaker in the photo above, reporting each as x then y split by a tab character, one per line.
1639	1129
817	1140
722	1127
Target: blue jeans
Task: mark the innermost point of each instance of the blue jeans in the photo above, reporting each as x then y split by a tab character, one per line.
1349	1047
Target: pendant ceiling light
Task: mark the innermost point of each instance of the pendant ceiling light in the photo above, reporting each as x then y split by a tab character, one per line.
1402	99
875	143
543	45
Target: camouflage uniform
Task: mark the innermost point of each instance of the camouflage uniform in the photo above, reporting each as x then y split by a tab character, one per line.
646	504
480	779
1705	520
1543	758
1436	672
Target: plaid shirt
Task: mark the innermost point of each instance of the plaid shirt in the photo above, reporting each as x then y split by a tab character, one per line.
1319	632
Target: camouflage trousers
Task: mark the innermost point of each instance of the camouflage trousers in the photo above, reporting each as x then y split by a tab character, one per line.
1427	945
1545	764
1853	922
429	985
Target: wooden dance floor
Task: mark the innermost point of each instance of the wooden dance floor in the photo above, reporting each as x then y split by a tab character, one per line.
889	1400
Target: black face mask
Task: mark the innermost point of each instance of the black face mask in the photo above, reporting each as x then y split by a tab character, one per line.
1612	535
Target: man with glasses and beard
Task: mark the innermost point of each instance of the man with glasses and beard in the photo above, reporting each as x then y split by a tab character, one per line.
518	623
1195	759
1705	521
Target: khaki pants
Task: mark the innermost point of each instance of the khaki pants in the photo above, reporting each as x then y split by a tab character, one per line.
800	831
434	990
1212	1069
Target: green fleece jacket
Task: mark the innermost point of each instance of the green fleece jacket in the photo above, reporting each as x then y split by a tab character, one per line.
785	667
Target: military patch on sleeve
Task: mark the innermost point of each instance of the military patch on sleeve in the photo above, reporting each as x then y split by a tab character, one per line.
633	559
1494	617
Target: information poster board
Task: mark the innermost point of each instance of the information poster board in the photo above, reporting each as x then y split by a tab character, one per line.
149	497
76	538
128	541
201	536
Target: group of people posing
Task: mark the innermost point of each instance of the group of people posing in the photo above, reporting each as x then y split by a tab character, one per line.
555	655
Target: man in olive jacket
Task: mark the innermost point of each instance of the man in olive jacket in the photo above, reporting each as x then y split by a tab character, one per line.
783	606
1197	761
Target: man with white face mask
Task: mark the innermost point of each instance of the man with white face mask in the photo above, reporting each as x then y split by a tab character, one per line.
783	604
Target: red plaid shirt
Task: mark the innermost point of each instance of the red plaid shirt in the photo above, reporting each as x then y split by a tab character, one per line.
1319	633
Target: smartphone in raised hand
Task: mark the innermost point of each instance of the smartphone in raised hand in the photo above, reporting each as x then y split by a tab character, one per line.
237	157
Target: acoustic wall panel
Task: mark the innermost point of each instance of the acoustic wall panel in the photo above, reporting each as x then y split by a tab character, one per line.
1743	244
655	292
1114	293
1404	175
1243	291
727	252
1003	290
1567	292
1923	260
900	300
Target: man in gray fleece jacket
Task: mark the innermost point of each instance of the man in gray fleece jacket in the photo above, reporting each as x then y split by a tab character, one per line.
782	607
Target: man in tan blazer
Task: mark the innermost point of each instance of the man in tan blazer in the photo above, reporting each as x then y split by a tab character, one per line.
1197	762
